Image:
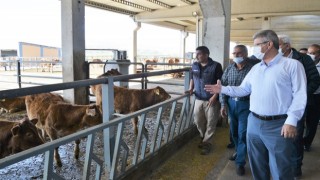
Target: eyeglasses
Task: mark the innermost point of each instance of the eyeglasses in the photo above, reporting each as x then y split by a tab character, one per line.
259	44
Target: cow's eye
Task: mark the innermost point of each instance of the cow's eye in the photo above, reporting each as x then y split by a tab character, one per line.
29	134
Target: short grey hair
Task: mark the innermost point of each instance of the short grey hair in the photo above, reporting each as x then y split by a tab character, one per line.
268	35
284	38
243	48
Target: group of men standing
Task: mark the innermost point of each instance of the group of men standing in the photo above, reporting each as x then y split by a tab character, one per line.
268	99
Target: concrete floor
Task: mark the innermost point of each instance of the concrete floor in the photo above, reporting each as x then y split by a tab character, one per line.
187	163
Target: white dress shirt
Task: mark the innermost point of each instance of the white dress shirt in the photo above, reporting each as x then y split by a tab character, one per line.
279	87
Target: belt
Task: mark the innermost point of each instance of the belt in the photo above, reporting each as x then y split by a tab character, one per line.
268	118
239	98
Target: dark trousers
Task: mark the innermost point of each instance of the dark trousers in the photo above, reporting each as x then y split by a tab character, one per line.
297	155
312	119
238	113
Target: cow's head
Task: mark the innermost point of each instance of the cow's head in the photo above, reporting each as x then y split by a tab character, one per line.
93	116
25	135
112	72
161	94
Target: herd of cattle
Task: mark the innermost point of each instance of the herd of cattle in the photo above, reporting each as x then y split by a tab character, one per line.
50	116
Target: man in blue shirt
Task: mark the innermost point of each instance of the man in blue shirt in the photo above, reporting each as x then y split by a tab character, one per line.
206	108
278	97
237	108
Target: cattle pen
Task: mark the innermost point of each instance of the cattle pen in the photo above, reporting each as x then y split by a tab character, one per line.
146	150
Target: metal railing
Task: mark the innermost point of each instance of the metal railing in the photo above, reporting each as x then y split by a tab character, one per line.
115	149
146	81
24	64
122	63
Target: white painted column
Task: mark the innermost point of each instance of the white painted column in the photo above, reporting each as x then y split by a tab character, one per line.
184	36
199	31
74	66
216	28
135	45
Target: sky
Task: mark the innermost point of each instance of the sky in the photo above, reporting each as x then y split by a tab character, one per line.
39	22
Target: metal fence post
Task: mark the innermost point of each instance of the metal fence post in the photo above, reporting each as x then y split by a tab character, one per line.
186	80
108	109
186	88
145	78
18	73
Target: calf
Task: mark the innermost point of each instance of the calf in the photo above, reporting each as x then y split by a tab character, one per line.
65	119
97	65
18	136
175	61
37	106
131	100
49	65
12	105
112	72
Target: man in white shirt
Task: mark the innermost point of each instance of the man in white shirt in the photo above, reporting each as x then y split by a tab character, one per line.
278	96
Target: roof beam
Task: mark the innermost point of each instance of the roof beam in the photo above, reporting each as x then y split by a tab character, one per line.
187	2
128	3
109	8
160	3
181	12
168	25
251	8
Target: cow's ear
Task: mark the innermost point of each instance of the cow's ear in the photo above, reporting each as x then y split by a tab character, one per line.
15	130
157	91
34	121
91	112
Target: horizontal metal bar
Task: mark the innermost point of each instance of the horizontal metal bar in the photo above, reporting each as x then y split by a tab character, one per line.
9	82
4	162
42	61
45	77
39	84
77	84
158	82
8	75
169	64
174	92
108	62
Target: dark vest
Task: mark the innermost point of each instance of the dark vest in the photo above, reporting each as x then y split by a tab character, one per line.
208	74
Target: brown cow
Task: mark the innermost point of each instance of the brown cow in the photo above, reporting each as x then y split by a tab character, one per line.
111	72
131	100
49	65
37	106
153	65
18	136
97	65
175	61
4	65
65	119
12	105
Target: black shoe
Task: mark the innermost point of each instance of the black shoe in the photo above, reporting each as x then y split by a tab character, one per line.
297	173
233	157
230	146
240	170
200	145
206	148
306	148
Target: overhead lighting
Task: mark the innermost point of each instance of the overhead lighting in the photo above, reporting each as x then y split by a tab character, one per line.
195	13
